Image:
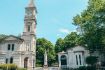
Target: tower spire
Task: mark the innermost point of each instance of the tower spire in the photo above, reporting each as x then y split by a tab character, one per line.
31	3
30	19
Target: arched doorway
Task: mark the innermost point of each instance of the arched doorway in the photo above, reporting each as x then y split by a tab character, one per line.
26	62
63	60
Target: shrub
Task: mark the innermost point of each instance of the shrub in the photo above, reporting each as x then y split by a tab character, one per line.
21	69
86	68
91	60
82	68
91	68
3	66
10	67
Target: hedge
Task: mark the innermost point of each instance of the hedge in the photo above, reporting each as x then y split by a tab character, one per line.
10	67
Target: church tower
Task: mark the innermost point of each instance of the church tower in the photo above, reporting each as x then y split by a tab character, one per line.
30	19
29	35
30	26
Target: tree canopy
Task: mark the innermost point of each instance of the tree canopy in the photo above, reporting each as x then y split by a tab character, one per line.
73	39
43	45
59	45
92	24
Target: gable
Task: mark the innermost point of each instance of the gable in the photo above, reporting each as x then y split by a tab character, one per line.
12	38
76	48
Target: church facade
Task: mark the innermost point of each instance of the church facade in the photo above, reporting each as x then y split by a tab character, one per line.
21	50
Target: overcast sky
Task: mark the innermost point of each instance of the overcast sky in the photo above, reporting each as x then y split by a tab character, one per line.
54	18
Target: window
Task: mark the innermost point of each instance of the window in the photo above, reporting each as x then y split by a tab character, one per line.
12	47
80	59
76	59
6	61
11	60
9	46
28	28
63	60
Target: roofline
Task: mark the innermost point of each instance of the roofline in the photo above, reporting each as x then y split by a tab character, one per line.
3	39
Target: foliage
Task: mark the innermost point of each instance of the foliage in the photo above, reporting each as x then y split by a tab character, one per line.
82	68
10	67
73	39
2	36
92	24
91	68
91	60
39	64
21	69
59	46
86	68
41	45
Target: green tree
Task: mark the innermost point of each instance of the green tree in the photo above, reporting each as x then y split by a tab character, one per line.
41	45
59	46
73	39
92	24
2	36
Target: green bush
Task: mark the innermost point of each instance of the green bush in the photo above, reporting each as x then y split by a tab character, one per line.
91	60
21	69
3	66
91	68
82	68
86	68
39	65
10	67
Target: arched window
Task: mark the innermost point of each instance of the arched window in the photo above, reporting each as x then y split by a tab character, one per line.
26	62
63	60
11	60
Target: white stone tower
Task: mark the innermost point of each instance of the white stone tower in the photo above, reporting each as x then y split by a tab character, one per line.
29	34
